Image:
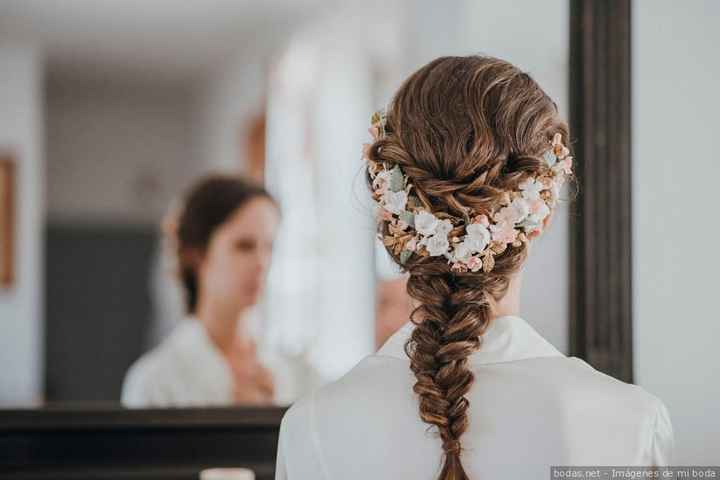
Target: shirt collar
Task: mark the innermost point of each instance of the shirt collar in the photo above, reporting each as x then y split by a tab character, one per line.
508	338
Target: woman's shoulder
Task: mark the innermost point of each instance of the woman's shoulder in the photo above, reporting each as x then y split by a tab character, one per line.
177	360
377	395
146	374
643	407
582	371
373	379
383	382
154	361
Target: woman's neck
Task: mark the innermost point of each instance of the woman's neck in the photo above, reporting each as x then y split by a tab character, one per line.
223	326
510	303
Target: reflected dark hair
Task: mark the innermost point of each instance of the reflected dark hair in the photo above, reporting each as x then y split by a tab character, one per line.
208	205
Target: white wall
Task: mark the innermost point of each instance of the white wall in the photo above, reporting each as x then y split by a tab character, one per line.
227	103
126	146
21	308
676	102
322	95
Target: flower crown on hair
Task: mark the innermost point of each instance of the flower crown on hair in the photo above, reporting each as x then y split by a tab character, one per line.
413	229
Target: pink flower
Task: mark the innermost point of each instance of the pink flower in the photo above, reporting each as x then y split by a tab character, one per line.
503	232
482	219
383	214
459	267
411	244
474	263
559	149
375	132
565	165
513	213
366	150
536	206
534	232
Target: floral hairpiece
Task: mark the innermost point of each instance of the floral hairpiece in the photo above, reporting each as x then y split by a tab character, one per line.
413	229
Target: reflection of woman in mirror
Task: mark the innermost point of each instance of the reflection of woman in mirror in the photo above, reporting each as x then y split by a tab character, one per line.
466	167
224	237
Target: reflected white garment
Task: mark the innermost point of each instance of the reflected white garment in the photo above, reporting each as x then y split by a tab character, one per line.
186	369
530	407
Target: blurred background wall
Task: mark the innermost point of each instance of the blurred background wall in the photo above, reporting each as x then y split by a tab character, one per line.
22	126
116	151
675	158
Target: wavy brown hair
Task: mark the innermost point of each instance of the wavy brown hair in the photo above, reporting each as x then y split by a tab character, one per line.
465	130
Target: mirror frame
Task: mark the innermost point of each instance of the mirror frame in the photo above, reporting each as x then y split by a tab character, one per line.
600	118
115	443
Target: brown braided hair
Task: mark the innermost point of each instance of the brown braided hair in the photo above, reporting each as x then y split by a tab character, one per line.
465	130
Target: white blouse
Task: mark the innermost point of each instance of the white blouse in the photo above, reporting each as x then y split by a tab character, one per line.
186	369
530	407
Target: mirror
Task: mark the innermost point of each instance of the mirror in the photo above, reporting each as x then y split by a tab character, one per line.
115	111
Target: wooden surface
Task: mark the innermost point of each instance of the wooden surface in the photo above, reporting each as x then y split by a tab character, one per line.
7	220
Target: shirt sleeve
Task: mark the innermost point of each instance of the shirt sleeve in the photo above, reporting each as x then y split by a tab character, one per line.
663	439
280	462
134	394
299	456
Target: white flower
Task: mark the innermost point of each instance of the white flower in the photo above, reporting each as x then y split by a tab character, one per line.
472	244
522	208
437	245
556	186
395	201
506	215
542	212
530	226
443	227
531	188
478	236
425	223
462	251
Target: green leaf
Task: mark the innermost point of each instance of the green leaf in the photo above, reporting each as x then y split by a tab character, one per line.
528	225
408	218
404	255
550	158
396	179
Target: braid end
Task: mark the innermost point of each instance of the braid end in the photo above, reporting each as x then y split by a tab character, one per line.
453	469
